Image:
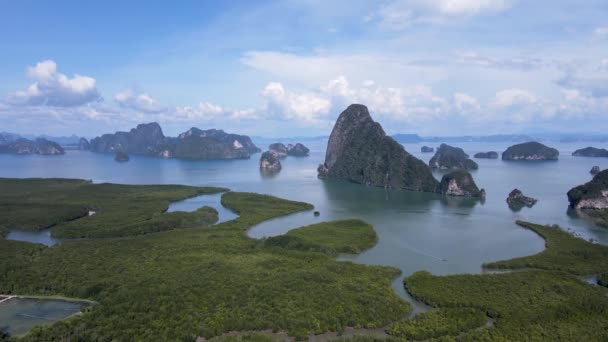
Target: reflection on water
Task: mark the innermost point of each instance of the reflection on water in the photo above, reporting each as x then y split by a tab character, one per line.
210	200
43	236
18	315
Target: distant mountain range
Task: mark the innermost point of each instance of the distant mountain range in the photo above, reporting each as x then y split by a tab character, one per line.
72	142
415	138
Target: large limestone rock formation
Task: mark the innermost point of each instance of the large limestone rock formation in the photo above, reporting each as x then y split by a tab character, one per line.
360	151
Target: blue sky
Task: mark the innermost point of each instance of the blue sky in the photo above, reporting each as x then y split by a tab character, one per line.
280	68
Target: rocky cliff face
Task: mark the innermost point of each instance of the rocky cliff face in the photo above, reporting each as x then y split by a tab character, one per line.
591	152
148	139
449	157
591	195
460	183
530	151
269	162
486	155
360	151
26	146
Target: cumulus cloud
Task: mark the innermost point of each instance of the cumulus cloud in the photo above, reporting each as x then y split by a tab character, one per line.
206	111
139	102
509	98
404	104
306	107
399	14
51	88
466	104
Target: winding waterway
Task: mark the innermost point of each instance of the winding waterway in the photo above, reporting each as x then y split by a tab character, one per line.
417	231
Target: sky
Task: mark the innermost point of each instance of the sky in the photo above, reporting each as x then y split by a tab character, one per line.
289	68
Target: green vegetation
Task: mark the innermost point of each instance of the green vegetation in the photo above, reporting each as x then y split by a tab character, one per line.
531	305
438	323
563	252
527	305
602	279
121	210
180	284
345	236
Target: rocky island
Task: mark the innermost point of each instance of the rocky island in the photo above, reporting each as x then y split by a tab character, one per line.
27	146
460	183
148	139
591	152
591	195
426	149
530	151
121	157
360	151
486	155
449	157
280	150
591	199
517	200
297	150
595	170
269	162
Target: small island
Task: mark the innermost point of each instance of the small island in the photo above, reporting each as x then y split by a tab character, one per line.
279	150
460	183
486	155
426	149
517	200
269	162
591	152
595	170
297	150
121	157
530	151
450	157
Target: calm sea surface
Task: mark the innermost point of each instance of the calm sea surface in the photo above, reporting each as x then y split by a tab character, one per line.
417	231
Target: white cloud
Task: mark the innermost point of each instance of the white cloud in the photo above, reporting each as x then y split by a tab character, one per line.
206	111
477	59
513	98
407	104
466	104
51	88
306	107
601	32
139	102
399	14
314	69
